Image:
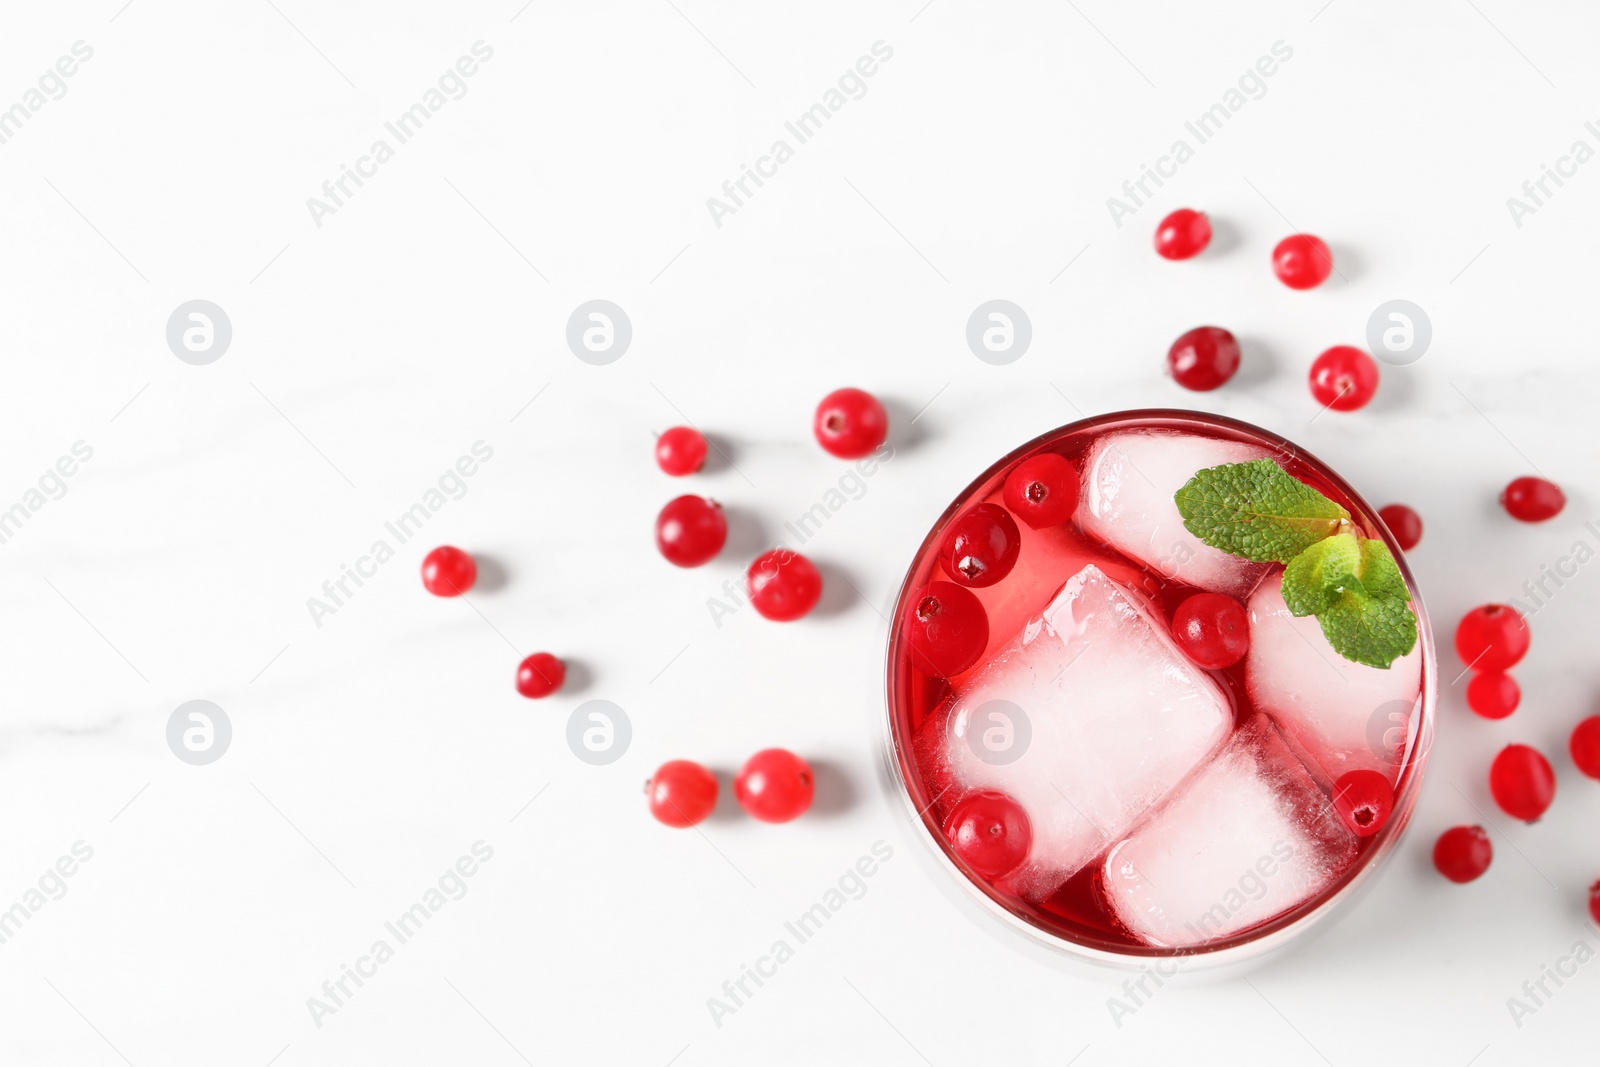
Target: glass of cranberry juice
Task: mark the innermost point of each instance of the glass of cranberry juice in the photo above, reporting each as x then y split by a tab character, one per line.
1090	780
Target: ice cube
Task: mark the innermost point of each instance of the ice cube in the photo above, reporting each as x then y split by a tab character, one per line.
1340	715
1129	480
1106	712
1248	838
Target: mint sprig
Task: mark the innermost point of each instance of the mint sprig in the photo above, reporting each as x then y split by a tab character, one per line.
1351	584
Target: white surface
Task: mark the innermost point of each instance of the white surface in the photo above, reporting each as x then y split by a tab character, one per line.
977	165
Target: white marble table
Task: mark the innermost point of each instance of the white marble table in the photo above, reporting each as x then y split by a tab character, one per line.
379	337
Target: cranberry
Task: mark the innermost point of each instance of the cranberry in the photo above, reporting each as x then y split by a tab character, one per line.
1493	694
1363	800
1405	524
691	530
850	423
1463	853
1585	746
947	629
990	832
540	675
1042	490
980	547
1594	902
1212	630
1493	637
681	450
1203	358
774	785
783	585
1183	234
681	793
1302	261
448	571
1533	499
1522	782
1344	378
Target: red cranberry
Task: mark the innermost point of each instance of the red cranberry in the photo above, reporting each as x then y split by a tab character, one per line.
1183	234
448	571
990	832
850	423
1493	694
691	530
774	785
681	450
540	675
681	793
1212	630
1463	853
1405	524
1522	782
1363	800
1493	637
1042	490
1594	903
1533	499
783	585
1585	746
980	546
947	629
1344	378
1203	358
1302	261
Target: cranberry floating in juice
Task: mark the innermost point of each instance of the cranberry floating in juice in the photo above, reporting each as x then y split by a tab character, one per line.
1206	694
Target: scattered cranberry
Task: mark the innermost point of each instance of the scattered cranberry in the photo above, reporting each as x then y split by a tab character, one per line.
850	423
681	793
1363	800
774	785
1594	902
1203	358
680	451
783	585
1533	499
1405	524
1042	490
1183	234
540	675
448	571
990	831
1302	261
1463	853
947	629
980	546
691	530
1212	630
1493	694
1522	782
1344	378
1585	746
1493	637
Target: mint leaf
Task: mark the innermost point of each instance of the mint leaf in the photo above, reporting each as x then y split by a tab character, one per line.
1372	630
1379	572
1314	580
1258	511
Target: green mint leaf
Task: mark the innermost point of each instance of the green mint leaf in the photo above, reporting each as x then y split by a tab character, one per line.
1380	574
1372	630
1314	580
1257	510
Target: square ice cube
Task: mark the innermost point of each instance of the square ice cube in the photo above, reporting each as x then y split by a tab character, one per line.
1340	715
1129	480
1250	837
1087	718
